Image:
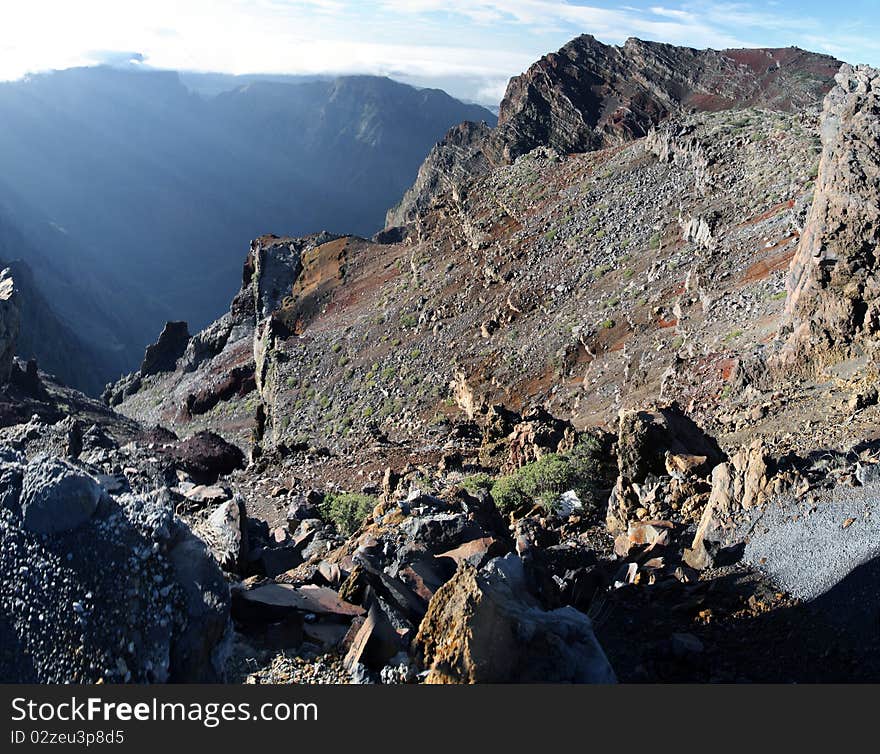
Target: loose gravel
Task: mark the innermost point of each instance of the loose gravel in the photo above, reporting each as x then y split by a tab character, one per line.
808	547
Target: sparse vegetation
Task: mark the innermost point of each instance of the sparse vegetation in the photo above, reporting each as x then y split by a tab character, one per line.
347	510
475	482
543	481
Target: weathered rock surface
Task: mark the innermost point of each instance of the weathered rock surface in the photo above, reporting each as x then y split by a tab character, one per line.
481	628
662	457
56	496
127	595
834	281
589	95
466	150
10	314
162	355
646	437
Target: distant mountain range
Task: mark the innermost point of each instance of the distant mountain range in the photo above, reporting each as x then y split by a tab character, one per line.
131	194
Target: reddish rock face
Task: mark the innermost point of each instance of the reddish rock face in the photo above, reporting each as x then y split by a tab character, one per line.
589	96
834	286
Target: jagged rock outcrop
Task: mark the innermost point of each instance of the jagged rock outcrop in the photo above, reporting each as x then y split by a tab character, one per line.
162	355
283	301
590	95
663	458
834	280
466	150
749	479
10	314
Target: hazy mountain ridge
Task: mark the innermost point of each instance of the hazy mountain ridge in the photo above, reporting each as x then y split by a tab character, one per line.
153	188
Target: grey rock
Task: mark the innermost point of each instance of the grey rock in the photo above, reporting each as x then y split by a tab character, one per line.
10	322
57	496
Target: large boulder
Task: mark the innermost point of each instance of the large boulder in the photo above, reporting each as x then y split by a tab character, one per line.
663	460
206	456
57	496
127	595
483	627
10	321
647	438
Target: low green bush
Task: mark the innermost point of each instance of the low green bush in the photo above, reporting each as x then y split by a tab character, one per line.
347	510
475	482
584	469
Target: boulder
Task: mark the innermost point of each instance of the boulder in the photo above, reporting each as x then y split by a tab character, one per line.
663	458
223	533
200	640
646	437
482	627
57	496
128	595
206	456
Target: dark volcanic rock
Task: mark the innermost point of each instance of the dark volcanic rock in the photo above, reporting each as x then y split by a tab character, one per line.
9	323
162	355
57	496
206	456
127	595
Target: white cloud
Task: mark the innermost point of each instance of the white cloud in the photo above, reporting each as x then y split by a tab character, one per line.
481	41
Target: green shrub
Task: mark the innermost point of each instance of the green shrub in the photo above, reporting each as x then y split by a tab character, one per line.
347	510
475	482
584	469
541	481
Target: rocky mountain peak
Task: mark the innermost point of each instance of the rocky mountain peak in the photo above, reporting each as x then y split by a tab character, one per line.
589	95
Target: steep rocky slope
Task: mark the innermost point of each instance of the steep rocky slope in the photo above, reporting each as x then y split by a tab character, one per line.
554	431
586	282
589	95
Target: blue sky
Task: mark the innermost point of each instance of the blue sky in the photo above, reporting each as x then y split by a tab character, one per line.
469	47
